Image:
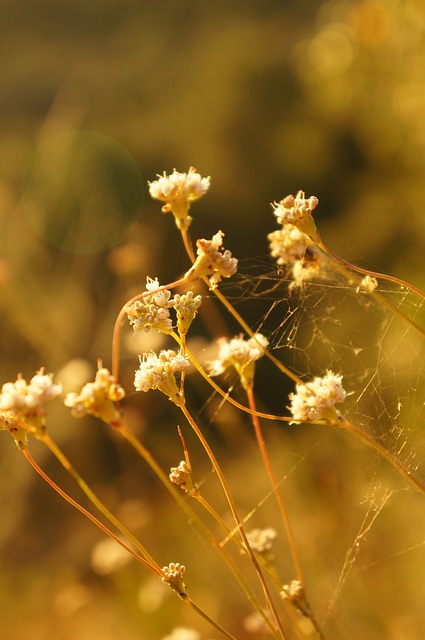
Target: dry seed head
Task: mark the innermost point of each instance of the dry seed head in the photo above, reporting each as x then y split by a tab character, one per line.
152	311
182	476
158	372
240	354
178	191
297	211
173	576
22	405
98	398
261	540
316	399
212	262
186	307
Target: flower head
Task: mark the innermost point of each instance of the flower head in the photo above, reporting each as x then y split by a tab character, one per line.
297	211
98	398
316	399
173	575
186	306
158	372
22	405
212	262
152	311
262	540
241	354
182	476
178	191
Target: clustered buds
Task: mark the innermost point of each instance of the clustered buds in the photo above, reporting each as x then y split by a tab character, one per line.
158	372
98	398
182	477
262	540
152	311
178	191
298	212
211	262
240	354
22	405
173	576
294	250
316	399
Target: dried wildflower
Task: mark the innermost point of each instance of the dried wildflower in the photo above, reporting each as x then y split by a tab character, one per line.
186	307
158	372
178	191
367	285
261	540
98	398
295	594
173	574
287	244
152	311
22	405
182	476
240	354
297	212
316	399
211	262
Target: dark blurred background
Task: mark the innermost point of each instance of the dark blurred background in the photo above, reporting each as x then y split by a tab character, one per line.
98	97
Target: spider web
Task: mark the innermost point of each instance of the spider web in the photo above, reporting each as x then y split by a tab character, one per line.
374	341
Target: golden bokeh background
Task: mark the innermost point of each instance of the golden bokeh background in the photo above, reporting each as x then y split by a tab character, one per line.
269	97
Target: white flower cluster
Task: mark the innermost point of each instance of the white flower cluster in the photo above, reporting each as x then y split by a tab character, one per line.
22	405
173	575
240	354
316	399
158	372
27	399
186	306
182	476
98	398
178	190
152	311
262	540
212	262
297	211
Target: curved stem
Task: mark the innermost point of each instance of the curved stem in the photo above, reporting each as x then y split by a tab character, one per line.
383	452
95	500
367	272
225	395
63	494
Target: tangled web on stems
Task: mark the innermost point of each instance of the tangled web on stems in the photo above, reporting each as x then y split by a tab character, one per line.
331	322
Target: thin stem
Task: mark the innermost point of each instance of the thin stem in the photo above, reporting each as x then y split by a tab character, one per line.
224	394
193	517
65	462
346	269
231	309
367	272
275	486
235	514
383	452
154	567
206	617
